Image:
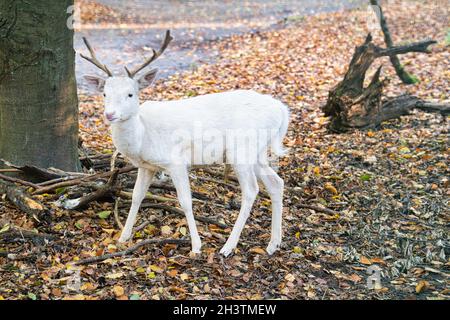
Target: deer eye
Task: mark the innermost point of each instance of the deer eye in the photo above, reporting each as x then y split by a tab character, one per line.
104	94
130	95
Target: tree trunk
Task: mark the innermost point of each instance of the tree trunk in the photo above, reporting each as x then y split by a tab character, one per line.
38	97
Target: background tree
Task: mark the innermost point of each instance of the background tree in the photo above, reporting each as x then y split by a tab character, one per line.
38	94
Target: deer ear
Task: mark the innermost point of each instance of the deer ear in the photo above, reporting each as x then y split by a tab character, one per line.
147	79
95	83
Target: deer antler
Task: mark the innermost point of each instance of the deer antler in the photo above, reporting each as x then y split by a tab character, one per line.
155	56
94	59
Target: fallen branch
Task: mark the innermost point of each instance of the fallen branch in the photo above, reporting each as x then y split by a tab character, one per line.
19	181
76	181
116	213
35	172
75	204
113	160
23	201
14	234
263	193
131	249
143	225
180	213
318	209
218	174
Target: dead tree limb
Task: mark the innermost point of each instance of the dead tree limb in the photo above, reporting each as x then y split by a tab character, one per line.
399	69
75	204
116	213
76	181
19	181
14	234
352	106
20	199
35	172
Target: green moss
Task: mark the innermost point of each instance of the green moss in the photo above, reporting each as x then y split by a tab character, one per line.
447	38
410	78
413	78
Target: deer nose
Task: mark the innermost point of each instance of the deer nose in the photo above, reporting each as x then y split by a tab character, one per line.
110	115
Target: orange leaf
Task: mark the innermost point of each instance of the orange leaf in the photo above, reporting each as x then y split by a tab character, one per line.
118	291
421	286
364	260
258	250
172	273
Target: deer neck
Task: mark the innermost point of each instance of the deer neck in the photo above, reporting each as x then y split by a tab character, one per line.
127	136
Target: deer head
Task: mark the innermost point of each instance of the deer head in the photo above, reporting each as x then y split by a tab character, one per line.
122	92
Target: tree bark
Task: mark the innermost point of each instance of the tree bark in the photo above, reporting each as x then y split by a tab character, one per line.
38	97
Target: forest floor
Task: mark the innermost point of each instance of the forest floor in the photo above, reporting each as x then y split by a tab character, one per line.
388	187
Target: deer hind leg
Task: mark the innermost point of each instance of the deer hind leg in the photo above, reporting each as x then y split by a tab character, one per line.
180	179
249	187
274	186
143	181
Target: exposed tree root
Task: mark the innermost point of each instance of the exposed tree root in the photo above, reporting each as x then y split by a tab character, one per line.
24	202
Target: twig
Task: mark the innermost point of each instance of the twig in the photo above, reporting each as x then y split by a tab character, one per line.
141	226
15	233
218	174
318	209
131	249
207	179
116	214
148	196
9	170
72	182
53	181
113	159
82	202
180	213
19	181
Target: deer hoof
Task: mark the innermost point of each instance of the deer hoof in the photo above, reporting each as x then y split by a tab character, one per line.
273	246
226	250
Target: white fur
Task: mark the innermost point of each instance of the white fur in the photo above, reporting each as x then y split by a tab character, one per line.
173	135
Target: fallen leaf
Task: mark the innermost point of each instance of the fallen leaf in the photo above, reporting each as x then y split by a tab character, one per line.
257	250
365	260
118	291
422	286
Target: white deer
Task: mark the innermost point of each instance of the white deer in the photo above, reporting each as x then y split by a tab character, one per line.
238	127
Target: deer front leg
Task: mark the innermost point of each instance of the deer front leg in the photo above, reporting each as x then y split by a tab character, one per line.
143	181
180	179
249	187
